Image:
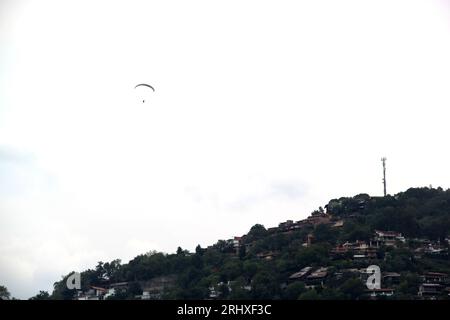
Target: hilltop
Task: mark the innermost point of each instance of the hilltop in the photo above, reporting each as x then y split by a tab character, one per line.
324	256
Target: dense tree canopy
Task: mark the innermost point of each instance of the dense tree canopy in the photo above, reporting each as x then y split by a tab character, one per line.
261	266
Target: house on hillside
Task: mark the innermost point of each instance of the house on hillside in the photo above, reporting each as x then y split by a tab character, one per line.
237	244
435	250
94	293
316	278
289	226
116	287
286	225
358	250
433	284
391	278
311	278
309	240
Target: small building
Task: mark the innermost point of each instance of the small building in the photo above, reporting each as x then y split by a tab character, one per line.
155	288
388	238
272	230
430	290
391	277
435	250
309	240
318	218
435	277
358	250
213	293
94	293
317	278
237	244
338	224
111	292
286	225
339	250
383	292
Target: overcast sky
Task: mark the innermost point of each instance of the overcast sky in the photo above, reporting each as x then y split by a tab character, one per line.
263	111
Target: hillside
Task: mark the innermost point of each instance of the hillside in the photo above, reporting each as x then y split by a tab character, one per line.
322	257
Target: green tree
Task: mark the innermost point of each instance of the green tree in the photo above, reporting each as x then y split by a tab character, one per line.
353	288
238	290
198	250
256	232
4	293
355	231
294	290
332	294
315	254
436	228
134	289
224	291
309	295
42	295
264	286
108	271
242	251
324	233
250	268
232	269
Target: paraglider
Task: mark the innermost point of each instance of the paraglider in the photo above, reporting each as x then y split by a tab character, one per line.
145	85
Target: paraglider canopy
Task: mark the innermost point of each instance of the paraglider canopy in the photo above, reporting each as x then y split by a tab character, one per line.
145	85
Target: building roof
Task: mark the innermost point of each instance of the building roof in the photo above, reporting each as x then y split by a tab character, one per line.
391	274
319	273
431	285
300	273
351	270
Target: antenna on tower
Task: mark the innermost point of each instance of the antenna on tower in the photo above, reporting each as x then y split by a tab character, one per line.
384	174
